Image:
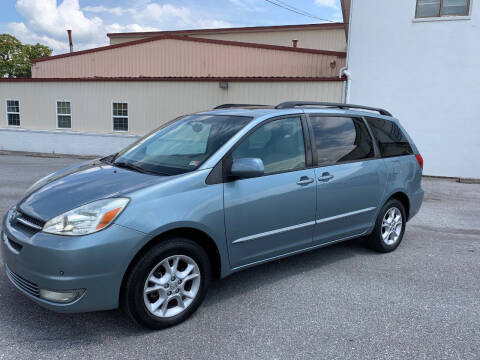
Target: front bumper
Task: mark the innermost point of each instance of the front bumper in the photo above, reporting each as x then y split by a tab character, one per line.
95	263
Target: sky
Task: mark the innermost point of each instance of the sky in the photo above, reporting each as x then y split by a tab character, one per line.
46	21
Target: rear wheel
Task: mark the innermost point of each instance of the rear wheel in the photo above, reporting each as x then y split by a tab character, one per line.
167	284
389	227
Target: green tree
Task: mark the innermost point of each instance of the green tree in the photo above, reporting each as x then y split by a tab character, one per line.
15	57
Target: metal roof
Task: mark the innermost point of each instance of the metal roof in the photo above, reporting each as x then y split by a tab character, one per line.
322	26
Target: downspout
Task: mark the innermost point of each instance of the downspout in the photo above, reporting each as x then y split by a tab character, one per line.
346	91
344	71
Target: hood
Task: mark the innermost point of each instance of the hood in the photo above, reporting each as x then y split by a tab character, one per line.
82	184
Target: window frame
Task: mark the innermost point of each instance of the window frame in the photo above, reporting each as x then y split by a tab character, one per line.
57	114
376	149
123	117
444	17
225	163
9	112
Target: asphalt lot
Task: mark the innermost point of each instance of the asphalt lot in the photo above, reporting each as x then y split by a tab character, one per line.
420	302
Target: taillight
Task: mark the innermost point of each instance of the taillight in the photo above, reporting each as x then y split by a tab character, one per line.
420	160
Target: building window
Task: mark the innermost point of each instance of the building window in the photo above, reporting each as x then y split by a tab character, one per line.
64	115
13	113
120	116
438	8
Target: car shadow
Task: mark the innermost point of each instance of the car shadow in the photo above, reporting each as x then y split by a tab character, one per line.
31	323
255	277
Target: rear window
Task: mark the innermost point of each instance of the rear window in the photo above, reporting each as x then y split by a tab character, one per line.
390	138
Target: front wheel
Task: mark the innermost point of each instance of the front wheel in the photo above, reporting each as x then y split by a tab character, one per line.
389	227
167	284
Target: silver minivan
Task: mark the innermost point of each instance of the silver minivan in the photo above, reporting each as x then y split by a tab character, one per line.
206	195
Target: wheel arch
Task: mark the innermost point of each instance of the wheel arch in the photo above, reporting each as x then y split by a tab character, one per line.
403	198
198	236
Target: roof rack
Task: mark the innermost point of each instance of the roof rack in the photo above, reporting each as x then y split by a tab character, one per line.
227	106
292	104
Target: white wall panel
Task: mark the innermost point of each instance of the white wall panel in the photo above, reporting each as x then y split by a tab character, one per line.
426	73
63	142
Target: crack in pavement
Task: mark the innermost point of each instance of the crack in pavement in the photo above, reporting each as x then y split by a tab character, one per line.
446	230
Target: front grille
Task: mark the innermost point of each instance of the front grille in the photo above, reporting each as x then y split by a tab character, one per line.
29	223
23	284
31	220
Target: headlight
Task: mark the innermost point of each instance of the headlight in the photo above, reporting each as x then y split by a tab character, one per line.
88	218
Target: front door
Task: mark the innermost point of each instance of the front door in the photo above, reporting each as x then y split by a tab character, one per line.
350	178
274	214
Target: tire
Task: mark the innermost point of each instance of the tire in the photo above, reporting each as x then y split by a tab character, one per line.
378	240
192	277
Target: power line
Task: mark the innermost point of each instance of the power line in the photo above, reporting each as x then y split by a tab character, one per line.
303	12
291	8
297	9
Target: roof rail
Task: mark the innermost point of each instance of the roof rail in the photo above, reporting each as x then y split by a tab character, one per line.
227	106
292	104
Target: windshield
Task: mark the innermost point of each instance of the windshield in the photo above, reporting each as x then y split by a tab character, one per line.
181	146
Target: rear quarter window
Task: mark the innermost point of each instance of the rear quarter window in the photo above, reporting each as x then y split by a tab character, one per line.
390	138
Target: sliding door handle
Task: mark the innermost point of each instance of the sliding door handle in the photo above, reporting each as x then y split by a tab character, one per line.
325	177
304	180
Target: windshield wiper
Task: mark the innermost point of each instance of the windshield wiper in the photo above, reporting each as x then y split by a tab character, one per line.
109	159
131	166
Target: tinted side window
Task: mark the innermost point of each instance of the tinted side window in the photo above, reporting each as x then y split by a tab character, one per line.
390	138
339	139
278	143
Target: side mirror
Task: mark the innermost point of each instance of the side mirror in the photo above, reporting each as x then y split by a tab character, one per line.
246	168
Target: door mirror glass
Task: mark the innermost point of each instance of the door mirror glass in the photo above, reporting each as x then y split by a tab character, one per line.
246	168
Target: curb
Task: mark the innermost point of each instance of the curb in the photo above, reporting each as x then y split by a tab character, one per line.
456	179
48	155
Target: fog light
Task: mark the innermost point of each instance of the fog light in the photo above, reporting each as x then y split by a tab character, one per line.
62	297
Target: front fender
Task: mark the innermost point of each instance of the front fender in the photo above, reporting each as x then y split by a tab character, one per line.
183	202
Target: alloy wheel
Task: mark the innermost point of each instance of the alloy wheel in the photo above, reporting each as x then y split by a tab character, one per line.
392	226
172	286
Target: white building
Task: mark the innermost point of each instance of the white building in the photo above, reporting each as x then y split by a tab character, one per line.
420	59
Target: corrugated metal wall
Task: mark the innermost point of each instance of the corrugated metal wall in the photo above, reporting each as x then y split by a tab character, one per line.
333	39
180	58
322	39
150	102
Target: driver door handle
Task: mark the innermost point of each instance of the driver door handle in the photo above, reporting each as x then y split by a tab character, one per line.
305	180
325	177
